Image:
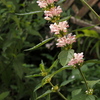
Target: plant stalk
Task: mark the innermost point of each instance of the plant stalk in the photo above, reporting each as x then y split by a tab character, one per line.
59	92
91	9
62	95
83	78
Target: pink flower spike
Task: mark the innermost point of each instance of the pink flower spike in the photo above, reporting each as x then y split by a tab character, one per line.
77	59
70	38
54	28
61	42
51	1
55	11
42	3
63	26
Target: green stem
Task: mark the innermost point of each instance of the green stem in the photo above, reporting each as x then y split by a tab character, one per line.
59	92
62	95
91	9
51	84
83	78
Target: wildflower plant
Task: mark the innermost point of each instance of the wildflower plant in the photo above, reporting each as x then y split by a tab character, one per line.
67	57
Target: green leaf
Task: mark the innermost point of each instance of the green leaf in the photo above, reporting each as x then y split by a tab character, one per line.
53	65
79	97
93	61
46	79
65	56
17	64
65	82
40	44
35	12
38	87
90	97
35	75
61	69
65	18
76	92
42	67
80	29
91	33
4	95
60	1
92	83
46	93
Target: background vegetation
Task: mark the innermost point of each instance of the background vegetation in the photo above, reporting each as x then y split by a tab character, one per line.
20	29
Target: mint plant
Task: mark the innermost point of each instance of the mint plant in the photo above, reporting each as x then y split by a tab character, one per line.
67	58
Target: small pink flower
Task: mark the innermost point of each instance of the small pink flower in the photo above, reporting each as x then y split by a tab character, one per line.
55	11
54	28
70	38
77	59
63	26
57	28
42	3
61	42
45	3
51	1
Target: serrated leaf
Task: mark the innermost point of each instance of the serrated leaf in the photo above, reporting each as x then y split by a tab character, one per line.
65	56
46	93
4	95
35	12
92	83
38	87
65	82
76	92
40	44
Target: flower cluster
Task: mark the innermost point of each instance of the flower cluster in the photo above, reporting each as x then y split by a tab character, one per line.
45	3
60	27
77	59
63	41
52	13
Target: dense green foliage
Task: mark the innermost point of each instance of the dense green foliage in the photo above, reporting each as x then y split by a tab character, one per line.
21	27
